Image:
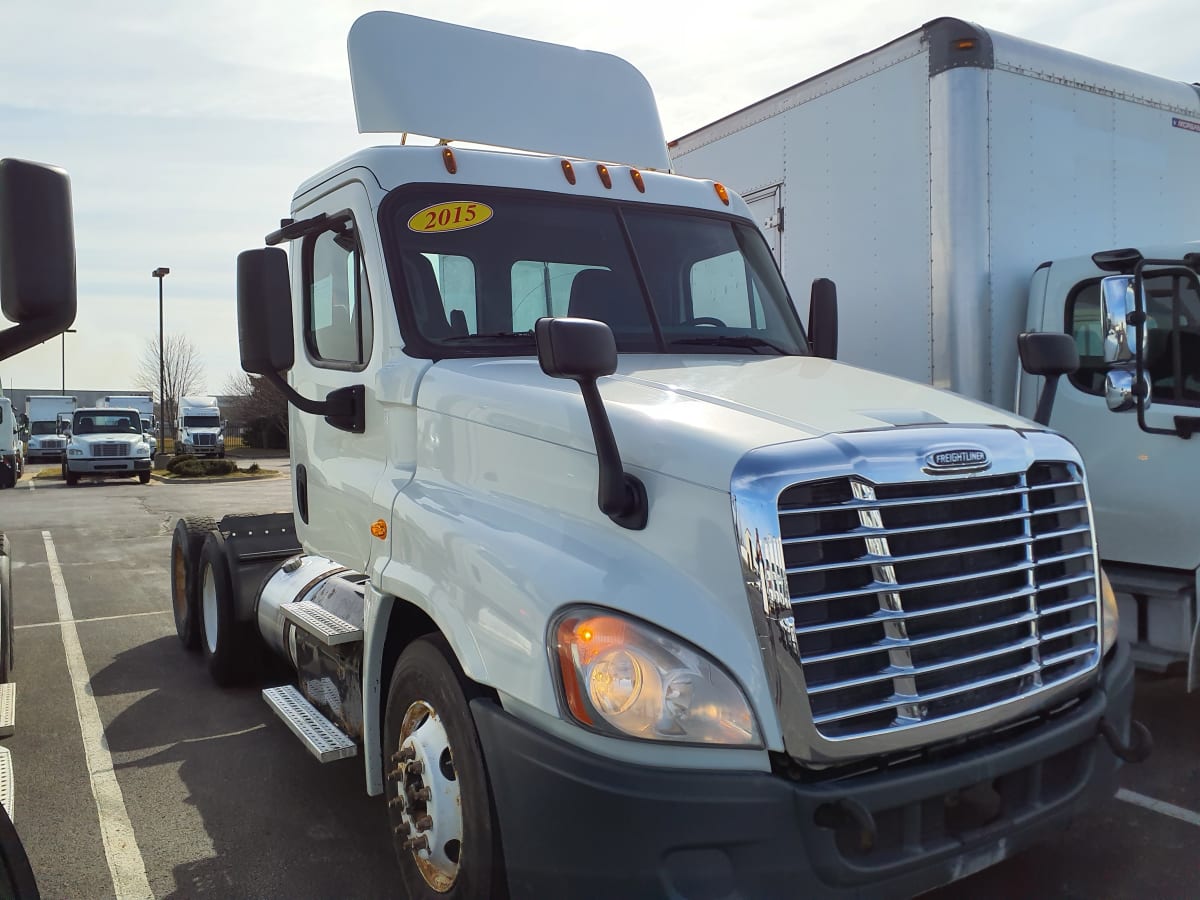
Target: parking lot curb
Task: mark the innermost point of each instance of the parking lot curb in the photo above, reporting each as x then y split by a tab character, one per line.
163	479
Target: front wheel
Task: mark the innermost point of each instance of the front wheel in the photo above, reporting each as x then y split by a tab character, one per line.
439	801
71	477
144	477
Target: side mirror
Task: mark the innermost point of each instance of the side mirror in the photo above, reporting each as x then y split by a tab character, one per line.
1052	354
823	319
1117	307
1120	390
584	350
37	254
264	311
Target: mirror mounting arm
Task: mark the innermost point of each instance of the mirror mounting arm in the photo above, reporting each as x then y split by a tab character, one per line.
620	495
344	408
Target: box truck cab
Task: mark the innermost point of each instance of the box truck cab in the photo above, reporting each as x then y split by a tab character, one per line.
961	186
12	459
590	548
43	414
199	429
145	407
106	443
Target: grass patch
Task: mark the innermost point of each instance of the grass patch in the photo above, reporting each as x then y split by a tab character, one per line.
216	469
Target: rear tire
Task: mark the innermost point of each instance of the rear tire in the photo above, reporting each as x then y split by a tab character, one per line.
187	542
427	720
72	478
224	641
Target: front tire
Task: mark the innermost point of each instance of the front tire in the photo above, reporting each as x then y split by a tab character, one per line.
144	477
445	801
72	478
223	638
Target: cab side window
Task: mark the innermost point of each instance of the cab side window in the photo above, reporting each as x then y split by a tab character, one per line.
337	304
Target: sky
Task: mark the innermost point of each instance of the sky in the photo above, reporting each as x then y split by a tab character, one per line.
187	127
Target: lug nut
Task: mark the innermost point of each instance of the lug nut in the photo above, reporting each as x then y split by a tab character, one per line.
422	794
404	754
396	801
396	774
424	823
402	828
418	843
415	767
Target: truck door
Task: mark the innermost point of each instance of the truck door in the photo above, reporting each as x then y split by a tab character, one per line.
767	211
335	318
1142	485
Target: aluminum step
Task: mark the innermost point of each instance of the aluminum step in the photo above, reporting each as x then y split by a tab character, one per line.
7	785
322	624
8	708
322	738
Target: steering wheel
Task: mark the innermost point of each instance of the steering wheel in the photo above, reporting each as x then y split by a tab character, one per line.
704	320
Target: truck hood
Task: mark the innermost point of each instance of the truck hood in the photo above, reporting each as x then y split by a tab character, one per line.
694	417
87	440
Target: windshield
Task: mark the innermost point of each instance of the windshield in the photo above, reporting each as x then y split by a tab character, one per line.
147	425
665	280
201	421
43	428
117	421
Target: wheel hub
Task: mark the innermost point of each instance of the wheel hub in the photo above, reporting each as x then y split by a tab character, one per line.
427	796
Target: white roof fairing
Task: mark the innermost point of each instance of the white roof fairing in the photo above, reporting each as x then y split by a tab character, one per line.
420	76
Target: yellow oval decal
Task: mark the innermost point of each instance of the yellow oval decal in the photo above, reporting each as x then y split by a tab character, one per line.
452	216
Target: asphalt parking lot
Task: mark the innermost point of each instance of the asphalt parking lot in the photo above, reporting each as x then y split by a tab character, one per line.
217	799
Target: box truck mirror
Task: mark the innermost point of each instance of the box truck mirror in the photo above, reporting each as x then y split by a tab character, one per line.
584	350
1052	354
1119	390
1117	306
823	319
37	254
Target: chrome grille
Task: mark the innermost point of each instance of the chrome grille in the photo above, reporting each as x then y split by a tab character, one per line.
927	600
52	443
204	440
110	449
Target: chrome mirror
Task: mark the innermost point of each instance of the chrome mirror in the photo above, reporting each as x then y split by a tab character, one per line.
1117	306
1118	390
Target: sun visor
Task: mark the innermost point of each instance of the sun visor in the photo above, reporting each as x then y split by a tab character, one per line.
446	81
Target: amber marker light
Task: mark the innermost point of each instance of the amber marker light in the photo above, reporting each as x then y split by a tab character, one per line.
721	192
449	160
379	529
568	171
965	44
638	182
605	178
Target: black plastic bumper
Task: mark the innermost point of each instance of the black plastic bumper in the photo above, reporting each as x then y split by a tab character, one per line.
574	824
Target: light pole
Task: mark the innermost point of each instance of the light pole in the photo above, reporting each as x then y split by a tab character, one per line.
160	273
64	357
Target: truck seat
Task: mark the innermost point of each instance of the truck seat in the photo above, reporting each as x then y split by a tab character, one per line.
426	297
599	294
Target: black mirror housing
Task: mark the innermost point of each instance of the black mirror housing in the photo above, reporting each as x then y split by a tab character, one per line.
823	319
1048	353
264	311
575	348
37	253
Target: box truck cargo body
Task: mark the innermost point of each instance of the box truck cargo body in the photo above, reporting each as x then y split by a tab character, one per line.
956	184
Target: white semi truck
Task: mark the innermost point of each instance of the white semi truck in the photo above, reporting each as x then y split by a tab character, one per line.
199	429
144	404
617	587
961	186
43	415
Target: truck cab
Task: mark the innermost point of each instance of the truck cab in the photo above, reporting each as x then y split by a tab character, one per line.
1151	560
199	428
106	442
12	451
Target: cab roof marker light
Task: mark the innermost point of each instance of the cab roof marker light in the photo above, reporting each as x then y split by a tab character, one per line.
605	178
568	171
721	192
449	160
638	182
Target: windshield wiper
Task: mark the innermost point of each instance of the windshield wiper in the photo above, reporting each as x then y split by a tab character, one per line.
492	336
746	341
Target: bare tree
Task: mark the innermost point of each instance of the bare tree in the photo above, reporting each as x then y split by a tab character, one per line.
182	373
260	407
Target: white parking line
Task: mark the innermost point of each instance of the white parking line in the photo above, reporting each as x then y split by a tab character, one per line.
125	862
156	612
1159	806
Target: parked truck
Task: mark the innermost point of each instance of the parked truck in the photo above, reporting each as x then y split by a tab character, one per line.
961	186
43	414
144	404
617	587
12	452
199	428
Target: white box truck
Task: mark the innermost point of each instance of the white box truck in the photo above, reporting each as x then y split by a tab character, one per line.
961	186
144	404
199	429
618	588
12	459
43	417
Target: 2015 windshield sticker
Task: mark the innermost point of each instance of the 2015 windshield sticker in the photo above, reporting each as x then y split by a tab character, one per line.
1185	124
452	216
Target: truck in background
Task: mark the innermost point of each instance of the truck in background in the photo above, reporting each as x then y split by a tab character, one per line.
43	414
199	429
107	442
144	404
12	460
961	186
590	550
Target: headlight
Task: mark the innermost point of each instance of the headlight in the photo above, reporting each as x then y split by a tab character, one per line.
1109	624
74	451
141	450
625	677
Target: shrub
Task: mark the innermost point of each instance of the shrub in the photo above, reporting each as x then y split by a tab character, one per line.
193	467
253	469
